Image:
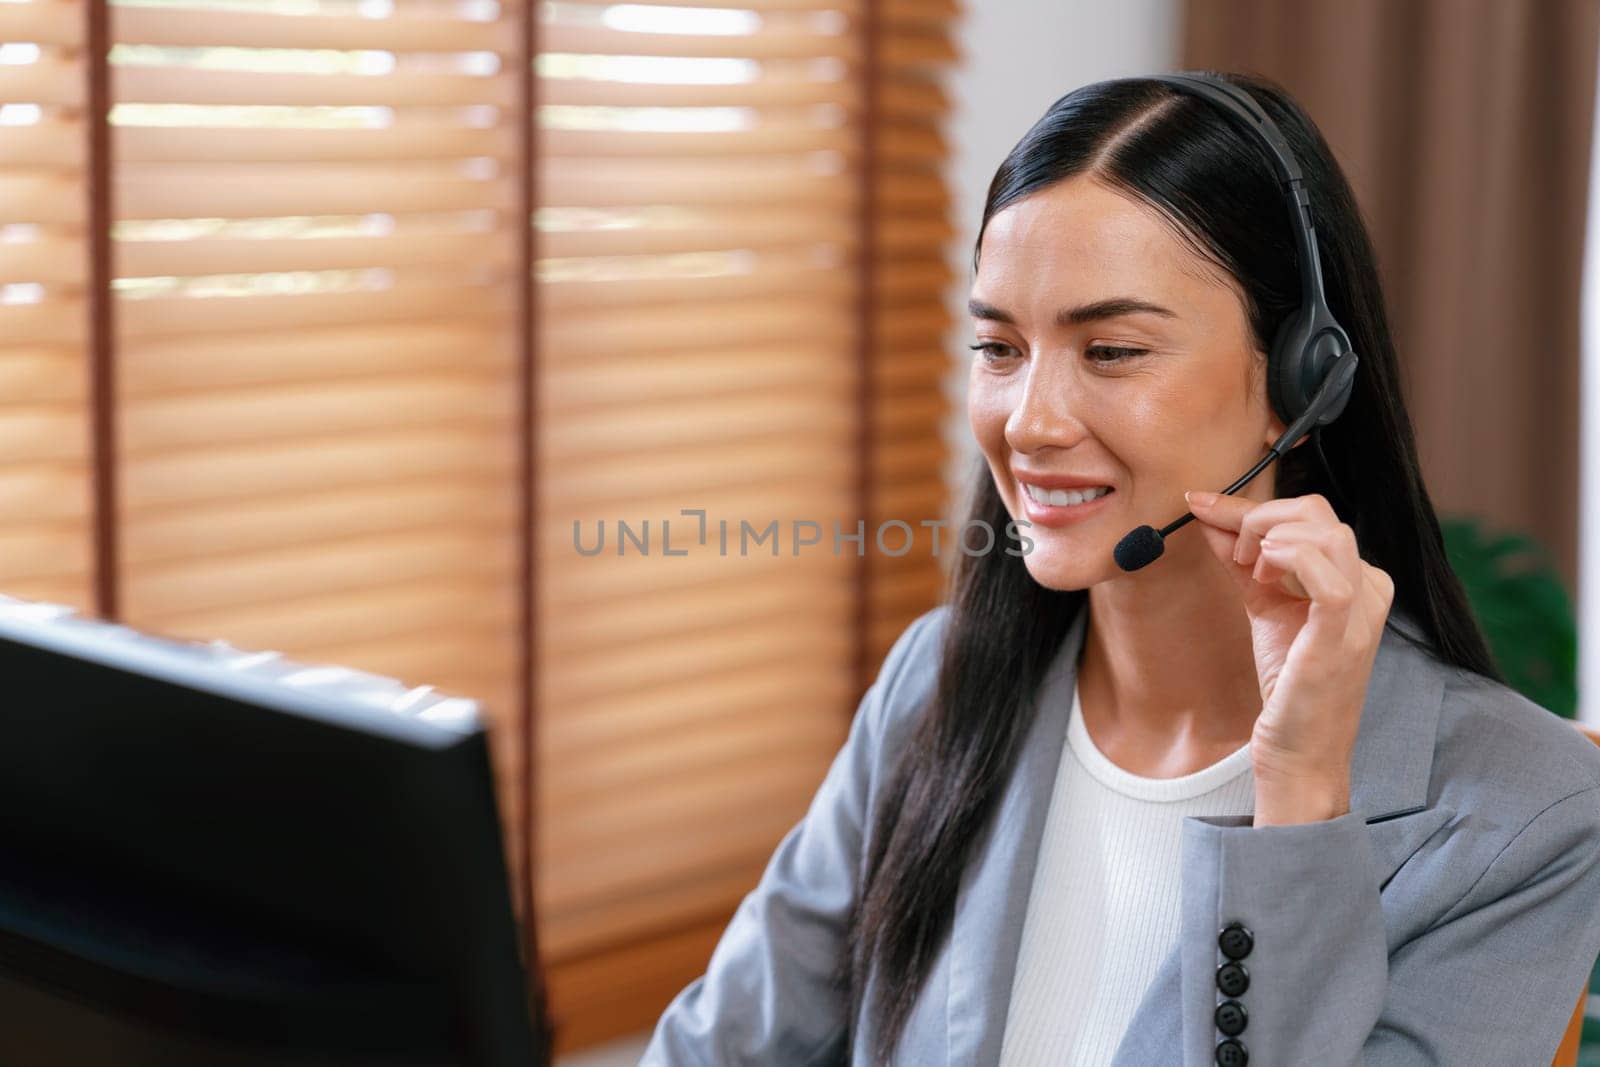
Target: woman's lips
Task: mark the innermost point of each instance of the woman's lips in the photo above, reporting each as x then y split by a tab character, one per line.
1061	514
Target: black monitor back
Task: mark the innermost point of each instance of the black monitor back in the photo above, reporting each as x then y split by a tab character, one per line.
198	866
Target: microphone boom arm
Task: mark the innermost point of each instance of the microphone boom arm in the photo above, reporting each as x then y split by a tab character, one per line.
1143	545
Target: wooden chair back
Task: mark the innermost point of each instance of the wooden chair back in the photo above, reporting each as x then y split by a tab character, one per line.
1567	1054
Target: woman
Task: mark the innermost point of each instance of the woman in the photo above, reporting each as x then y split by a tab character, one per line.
1266	799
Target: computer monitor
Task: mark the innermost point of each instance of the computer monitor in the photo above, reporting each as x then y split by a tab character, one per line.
200	865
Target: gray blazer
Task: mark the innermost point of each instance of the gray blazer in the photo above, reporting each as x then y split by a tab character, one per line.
1450	917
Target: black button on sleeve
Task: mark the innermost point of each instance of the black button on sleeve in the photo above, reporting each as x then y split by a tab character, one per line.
1232	1053
1235	941
1231	1017
1232	979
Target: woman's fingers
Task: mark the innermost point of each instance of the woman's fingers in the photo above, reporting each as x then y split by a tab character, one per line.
1260	520
1381	584
1250	520
1336	541
1322	582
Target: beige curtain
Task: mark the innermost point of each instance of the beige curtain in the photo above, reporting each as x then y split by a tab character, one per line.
1464	126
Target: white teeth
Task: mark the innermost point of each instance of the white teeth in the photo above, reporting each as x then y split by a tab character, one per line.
1065	497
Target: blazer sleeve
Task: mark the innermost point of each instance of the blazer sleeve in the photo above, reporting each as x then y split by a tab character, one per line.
1492	981
767	995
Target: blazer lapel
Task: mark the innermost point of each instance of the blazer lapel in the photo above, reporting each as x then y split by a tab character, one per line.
992	900
1389	778
1390	772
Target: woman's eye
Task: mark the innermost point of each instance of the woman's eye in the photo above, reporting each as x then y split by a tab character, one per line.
1117	354
993	351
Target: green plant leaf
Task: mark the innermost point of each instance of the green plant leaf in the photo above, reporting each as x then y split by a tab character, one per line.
1522	607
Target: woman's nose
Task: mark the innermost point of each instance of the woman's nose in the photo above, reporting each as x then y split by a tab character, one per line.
1049	409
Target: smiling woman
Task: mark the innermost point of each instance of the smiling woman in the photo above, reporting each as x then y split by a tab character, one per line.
1169	383
1265	800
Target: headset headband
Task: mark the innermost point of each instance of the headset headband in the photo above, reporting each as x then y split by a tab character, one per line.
1249	114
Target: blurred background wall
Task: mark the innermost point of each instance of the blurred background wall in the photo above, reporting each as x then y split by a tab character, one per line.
340	327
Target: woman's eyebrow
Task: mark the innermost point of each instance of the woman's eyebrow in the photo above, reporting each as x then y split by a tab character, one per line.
1100	309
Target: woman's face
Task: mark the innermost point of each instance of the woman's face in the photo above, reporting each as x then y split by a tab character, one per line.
1114	355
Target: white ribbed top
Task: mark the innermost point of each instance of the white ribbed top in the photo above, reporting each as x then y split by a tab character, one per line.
1103	910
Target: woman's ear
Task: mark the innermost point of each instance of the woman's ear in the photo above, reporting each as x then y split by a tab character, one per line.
1275	425
1275	428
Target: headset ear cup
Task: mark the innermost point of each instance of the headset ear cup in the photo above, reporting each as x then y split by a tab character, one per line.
1284	371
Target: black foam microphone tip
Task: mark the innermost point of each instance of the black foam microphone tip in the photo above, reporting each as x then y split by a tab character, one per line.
1140	547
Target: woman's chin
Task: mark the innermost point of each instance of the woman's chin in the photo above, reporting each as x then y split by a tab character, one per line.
1063	568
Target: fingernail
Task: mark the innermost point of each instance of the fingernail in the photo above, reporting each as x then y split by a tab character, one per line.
1200	499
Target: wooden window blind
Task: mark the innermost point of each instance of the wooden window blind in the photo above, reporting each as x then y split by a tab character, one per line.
319	296
701	176
316	280
46	530
911	220
699	170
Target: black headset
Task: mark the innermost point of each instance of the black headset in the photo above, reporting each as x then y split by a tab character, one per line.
1310	341
1311	367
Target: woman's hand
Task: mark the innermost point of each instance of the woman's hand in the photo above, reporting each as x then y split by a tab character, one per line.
1317	611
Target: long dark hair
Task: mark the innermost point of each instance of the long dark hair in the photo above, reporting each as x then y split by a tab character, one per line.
1184	157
